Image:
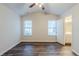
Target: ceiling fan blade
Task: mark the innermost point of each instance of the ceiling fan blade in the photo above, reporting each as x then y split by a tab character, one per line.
43	7
31	5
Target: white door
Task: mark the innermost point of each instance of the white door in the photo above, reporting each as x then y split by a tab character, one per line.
60	31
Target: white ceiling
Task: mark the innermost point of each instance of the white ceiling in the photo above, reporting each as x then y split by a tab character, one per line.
53	8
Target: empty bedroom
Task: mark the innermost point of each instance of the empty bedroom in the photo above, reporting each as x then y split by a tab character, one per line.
39	29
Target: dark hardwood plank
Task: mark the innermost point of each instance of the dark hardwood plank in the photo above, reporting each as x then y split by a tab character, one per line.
40	49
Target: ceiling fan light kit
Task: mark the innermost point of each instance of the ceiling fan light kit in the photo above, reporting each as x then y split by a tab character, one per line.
40	5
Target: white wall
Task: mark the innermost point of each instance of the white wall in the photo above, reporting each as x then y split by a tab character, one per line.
9	29
75	27
40	28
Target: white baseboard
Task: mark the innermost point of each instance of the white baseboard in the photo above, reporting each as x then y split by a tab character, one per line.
75	52
36	41
9	48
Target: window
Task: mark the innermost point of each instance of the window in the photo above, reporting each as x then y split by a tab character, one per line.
51	27
28	28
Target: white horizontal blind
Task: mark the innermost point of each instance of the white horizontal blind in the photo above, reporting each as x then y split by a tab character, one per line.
28	28
51	27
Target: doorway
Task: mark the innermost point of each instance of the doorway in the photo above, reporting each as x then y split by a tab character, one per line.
68	30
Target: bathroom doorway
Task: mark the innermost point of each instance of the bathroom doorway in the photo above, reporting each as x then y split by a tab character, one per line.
68	30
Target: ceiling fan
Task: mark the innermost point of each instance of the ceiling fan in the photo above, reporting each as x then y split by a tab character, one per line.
41	5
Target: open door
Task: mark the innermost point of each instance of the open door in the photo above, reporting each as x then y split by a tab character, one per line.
60	31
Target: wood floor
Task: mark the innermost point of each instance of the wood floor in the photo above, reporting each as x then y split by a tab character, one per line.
40	49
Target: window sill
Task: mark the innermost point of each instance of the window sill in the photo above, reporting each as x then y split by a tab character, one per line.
51	35
27	36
